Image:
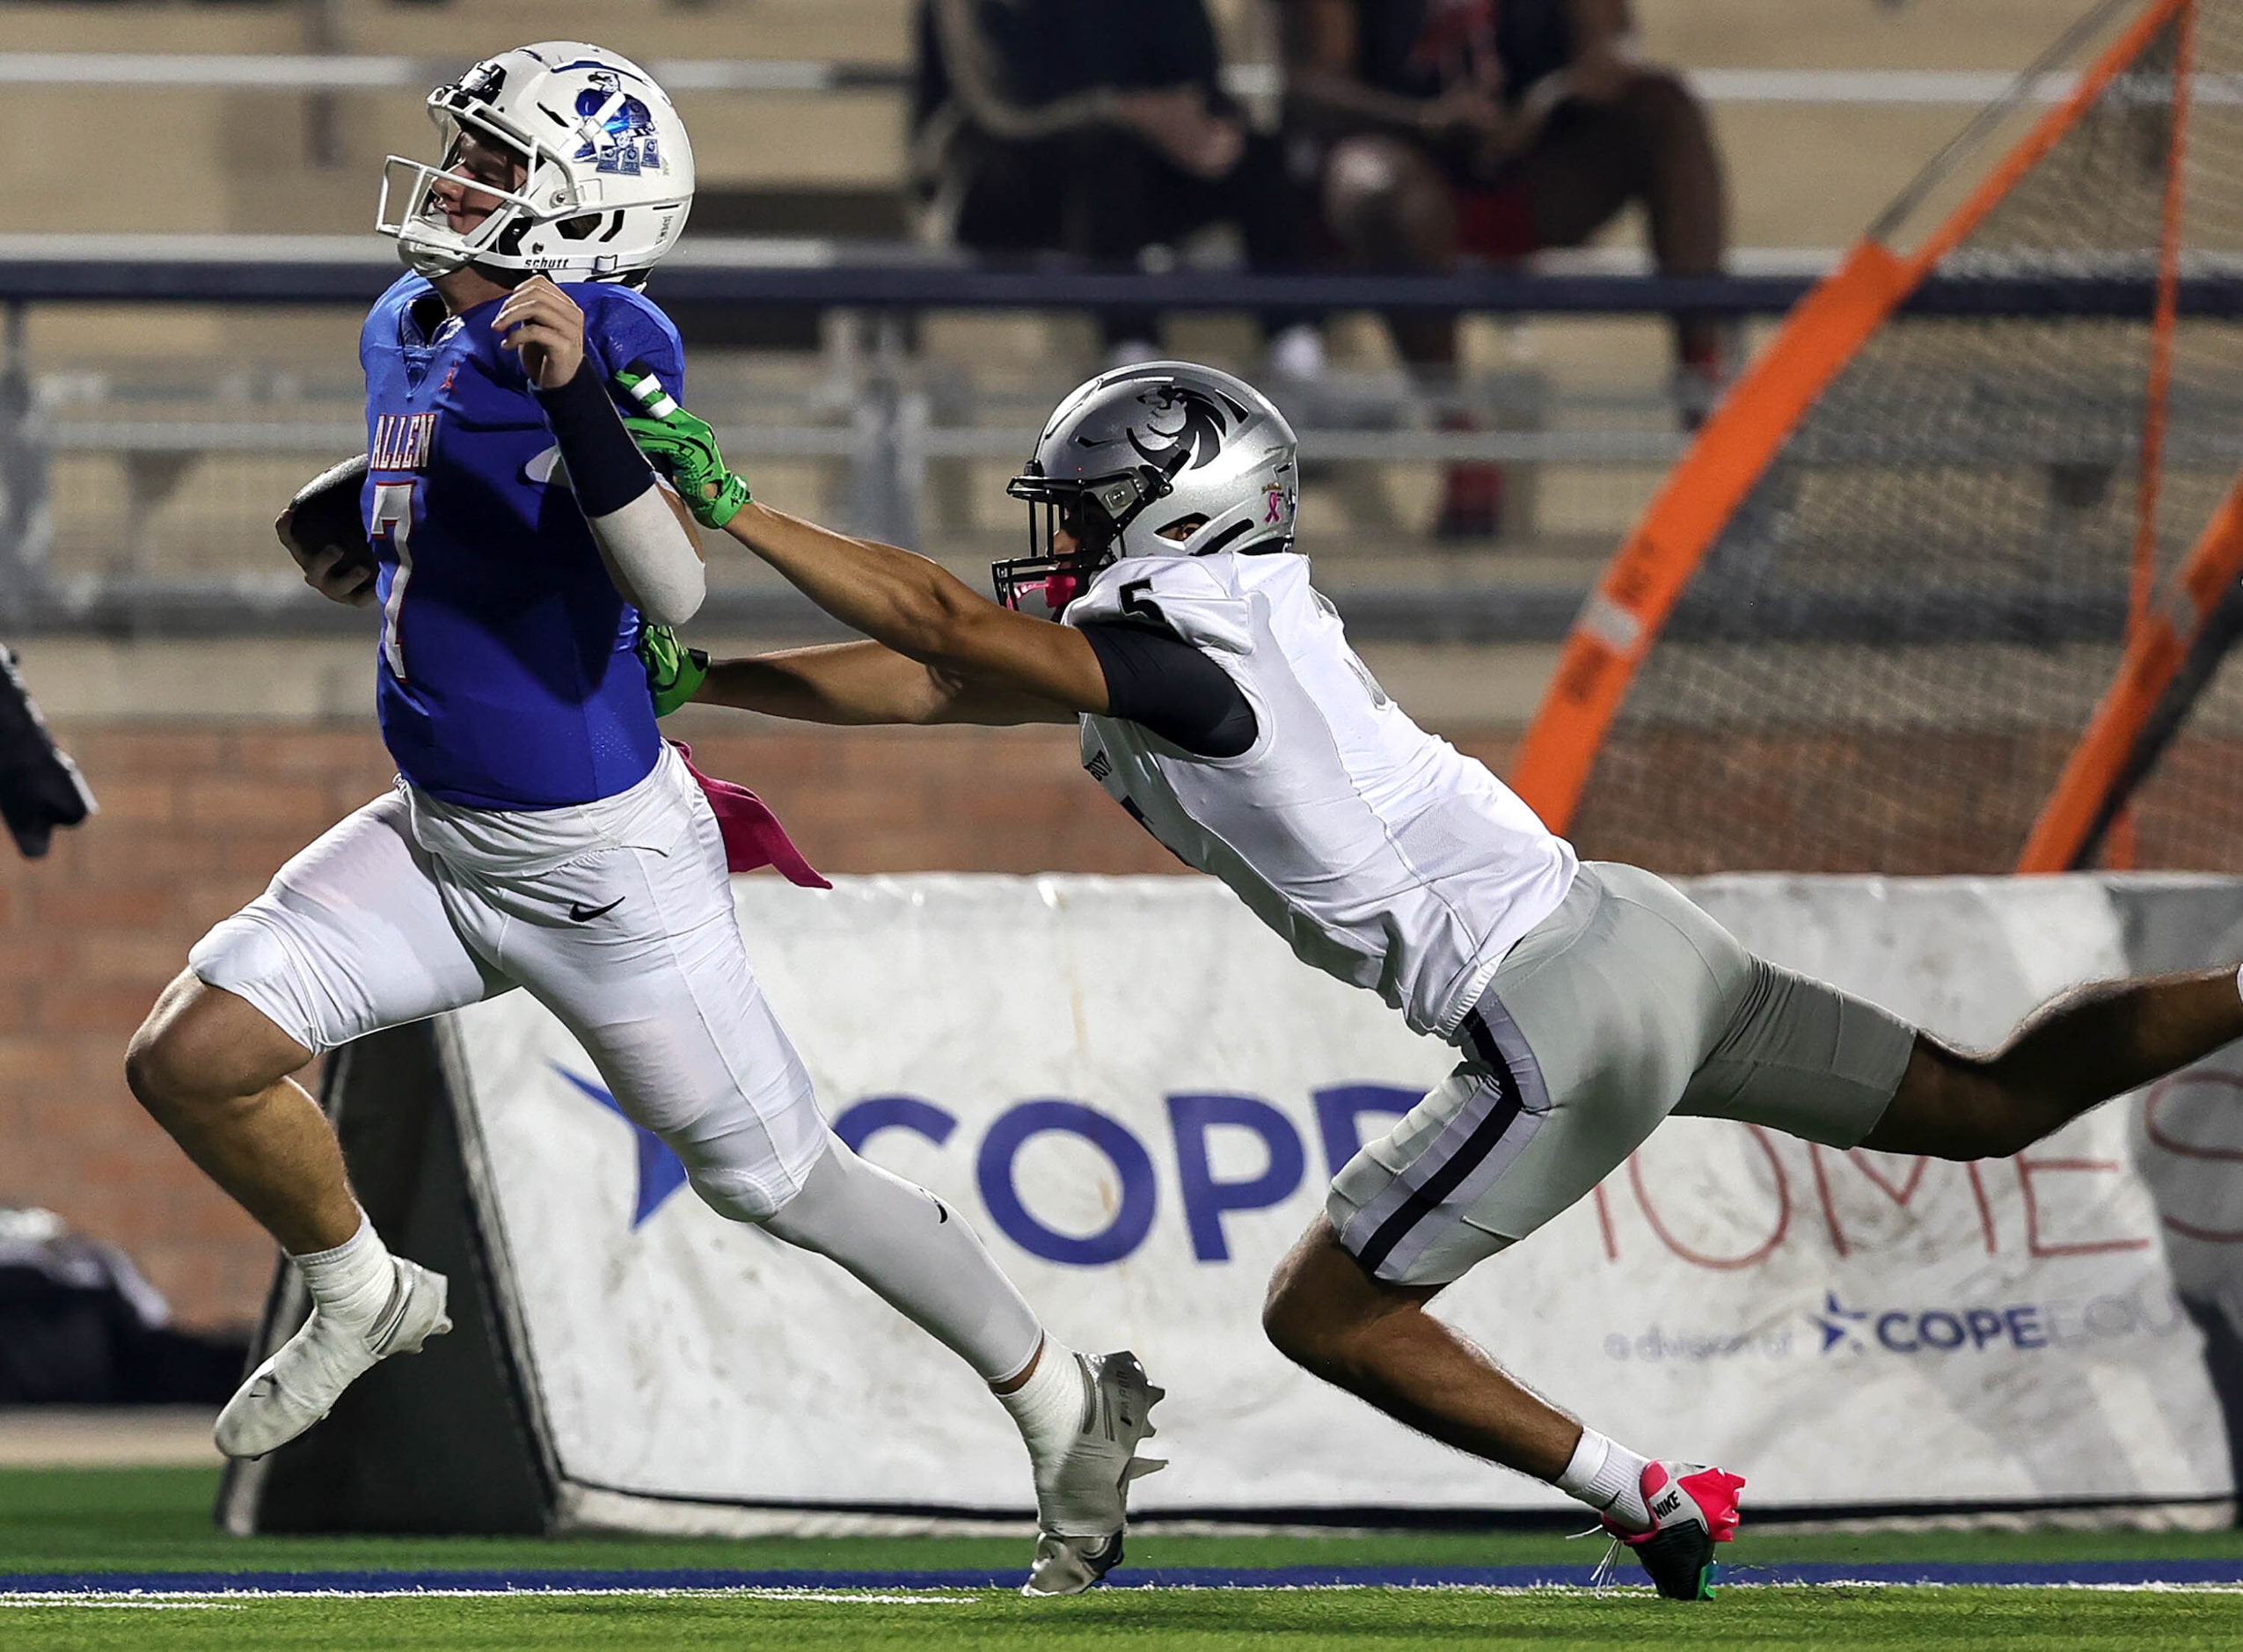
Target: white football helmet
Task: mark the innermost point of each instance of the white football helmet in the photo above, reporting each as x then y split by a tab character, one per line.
1158	445
609	177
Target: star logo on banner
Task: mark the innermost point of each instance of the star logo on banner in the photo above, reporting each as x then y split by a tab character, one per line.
1838	1323
659	1174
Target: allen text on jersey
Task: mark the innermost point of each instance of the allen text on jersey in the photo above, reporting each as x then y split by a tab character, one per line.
402	441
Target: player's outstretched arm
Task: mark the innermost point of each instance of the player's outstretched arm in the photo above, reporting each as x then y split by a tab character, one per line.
923	611
868	682
913	606
853	682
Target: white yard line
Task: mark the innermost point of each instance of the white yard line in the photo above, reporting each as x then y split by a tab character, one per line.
238	1599
235	1599
59	1602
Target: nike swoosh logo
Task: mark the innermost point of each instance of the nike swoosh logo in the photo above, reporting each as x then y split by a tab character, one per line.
580	913
547	469
392	1315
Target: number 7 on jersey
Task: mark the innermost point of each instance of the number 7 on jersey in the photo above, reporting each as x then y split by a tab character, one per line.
393	519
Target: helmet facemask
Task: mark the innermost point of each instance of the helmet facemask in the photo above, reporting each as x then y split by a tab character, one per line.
424	232
1093	512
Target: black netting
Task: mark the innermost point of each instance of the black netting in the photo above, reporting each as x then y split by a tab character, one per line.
1895	644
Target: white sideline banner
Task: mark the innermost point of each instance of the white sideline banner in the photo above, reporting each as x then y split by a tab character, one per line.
1137	1095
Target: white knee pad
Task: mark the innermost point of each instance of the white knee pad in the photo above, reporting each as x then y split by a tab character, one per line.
738	1196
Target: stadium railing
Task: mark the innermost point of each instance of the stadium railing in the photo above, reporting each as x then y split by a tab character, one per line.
885	425
886	429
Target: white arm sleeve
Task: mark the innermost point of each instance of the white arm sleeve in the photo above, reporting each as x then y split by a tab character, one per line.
651	558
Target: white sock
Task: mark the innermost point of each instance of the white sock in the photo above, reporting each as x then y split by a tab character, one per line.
2238	978
1048	1407
1609	1478
351	1282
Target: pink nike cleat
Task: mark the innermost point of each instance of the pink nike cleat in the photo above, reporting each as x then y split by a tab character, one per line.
1692	1508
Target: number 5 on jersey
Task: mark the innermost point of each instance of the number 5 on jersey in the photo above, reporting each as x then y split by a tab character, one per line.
393	520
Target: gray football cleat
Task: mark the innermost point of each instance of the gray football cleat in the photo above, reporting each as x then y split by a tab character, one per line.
1083	1501
301	1382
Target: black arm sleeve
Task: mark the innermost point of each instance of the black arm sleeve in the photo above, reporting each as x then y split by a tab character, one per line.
1161	683
604	464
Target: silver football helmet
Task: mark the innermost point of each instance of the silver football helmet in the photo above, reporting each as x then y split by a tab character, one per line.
608	173
1162	458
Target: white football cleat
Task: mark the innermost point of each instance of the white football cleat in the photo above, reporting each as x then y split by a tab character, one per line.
301	1382
1082	1498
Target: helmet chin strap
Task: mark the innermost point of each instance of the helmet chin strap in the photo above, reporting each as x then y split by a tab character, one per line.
428	262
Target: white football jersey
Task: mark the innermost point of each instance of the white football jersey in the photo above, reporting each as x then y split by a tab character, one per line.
1382	854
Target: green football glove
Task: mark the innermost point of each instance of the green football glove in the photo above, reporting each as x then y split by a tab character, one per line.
674	672
684	446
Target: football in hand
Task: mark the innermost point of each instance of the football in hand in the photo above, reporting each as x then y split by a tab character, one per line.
325	513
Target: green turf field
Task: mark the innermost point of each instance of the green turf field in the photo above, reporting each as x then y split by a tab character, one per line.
135	1521
1172	1621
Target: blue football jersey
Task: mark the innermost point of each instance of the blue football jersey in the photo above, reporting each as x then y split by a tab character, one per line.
507	675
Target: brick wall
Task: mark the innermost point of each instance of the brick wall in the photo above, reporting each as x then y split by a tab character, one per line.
196	817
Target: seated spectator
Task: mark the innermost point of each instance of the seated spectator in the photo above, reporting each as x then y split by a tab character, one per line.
1490	129
1096	129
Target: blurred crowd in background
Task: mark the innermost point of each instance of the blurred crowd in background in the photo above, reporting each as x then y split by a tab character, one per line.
1416	134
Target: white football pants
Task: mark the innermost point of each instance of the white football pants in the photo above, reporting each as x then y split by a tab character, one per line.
616	915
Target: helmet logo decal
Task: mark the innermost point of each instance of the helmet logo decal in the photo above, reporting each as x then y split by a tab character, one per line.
1273	497
1185	431
618	129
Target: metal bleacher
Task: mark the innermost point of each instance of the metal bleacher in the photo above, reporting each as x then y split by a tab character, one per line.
864	405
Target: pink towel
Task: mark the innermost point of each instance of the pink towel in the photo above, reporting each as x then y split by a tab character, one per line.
753	837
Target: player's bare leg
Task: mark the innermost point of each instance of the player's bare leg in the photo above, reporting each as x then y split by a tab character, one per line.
1331	1316
2075	1054
1375	1340
214	1071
